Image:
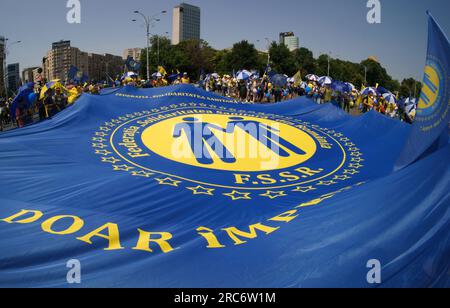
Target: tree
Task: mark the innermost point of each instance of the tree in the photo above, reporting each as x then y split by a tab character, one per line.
282	59
243	55
410	88
376	74
304	61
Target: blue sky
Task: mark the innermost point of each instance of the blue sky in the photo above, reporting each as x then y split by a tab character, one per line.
336	26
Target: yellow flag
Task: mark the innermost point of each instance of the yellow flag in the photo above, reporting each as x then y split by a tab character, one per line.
162	71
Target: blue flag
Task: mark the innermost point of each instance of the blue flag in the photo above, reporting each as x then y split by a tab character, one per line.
433	110
179	187
132	65
77	75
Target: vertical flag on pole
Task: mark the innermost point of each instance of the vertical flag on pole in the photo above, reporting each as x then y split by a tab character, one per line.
433	111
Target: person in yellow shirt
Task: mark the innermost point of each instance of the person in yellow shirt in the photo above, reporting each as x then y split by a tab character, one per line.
185	79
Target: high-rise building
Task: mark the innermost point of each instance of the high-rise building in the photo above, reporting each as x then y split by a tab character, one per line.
290	40
132	52
28	74
13	76
186	23
2	64
57	63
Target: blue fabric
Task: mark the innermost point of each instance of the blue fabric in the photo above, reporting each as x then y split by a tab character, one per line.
363	211
433	110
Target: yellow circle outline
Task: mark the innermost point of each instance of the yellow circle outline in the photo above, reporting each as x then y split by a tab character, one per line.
215	185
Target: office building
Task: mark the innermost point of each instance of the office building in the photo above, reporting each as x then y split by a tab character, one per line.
132	52
290	40
186	23
2	63
13	77
57	63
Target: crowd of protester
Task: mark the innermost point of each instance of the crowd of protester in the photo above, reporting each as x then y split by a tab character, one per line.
250	90
261	90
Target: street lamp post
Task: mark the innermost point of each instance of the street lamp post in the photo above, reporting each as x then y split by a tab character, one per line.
365	75
328	71
149	23
5	52
268	51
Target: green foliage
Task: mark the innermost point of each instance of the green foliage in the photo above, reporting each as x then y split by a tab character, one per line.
410	87
195	56
282	59
243	55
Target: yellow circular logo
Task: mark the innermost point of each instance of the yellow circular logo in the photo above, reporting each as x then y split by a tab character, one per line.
210	150
430	89
231	143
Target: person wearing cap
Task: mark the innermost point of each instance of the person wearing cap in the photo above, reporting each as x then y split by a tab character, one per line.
185	79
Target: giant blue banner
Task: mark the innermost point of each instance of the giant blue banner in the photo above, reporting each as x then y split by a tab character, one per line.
177	187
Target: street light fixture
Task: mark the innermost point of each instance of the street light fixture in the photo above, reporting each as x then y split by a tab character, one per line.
6	52
268	50
149	23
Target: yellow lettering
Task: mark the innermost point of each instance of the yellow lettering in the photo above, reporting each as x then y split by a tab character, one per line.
266	179
210	237
112	236
76	225
145	238
242	178
233	232
285	217
289	176
307	171
36	216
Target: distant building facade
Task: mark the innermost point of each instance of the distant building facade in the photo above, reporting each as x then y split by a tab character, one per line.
2	64
28	74
290	40
57	63
132	52
185	23
13	76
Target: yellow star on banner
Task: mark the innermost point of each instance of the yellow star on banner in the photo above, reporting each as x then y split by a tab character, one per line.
141	174
356	166
304	189
356	154
98	139
100	134
102	152
168	181
109	124
326	183
338	135
122	168
105	129
123	119
99	145
350	144
116	121
351	171
355	149
357	159
111	160
273	194
199	190
344	139
130	116
235	195
341	177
